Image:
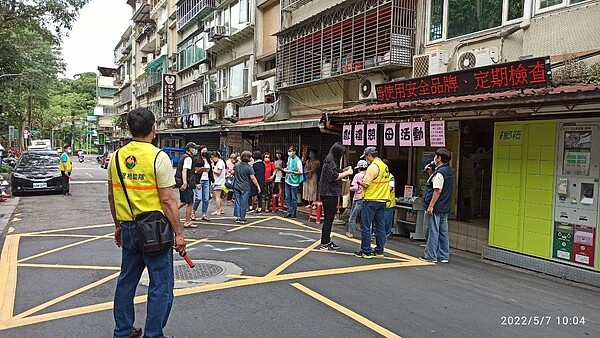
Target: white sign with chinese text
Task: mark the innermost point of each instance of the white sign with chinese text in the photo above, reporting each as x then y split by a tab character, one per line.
389	134
371	134
405	134
359	135
437	133
347	135
418	134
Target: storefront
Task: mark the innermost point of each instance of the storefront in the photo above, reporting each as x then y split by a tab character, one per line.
525	219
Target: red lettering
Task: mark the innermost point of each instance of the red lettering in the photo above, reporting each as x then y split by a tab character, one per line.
500	77
411	88
390	94
518	75
482	80
400	90
424	88
380	93
538	73
436	86
450	83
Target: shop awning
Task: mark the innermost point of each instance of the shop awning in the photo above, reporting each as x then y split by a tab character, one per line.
250	124
249	120
572	98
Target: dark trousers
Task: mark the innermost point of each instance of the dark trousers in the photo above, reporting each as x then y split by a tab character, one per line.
329	209
65	182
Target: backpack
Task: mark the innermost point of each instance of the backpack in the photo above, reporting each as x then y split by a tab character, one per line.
179	176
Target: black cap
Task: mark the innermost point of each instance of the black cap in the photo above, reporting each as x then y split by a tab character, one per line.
191	145
369	151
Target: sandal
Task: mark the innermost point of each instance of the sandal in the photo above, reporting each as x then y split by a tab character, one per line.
204	218
349	235
215	213
193	217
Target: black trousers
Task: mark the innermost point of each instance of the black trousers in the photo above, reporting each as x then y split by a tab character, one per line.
329	209
65	182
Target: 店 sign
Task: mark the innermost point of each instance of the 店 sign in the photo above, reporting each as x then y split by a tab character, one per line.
530	73
168	102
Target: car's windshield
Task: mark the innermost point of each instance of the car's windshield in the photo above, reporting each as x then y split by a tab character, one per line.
38	160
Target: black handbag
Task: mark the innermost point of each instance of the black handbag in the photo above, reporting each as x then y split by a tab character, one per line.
154	228
229	182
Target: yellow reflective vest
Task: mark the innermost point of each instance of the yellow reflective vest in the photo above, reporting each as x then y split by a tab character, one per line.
379	189
392	201
67	165
137	161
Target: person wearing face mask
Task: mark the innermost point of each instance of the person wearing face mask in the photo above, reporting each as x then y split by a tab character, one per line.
230	163
293	178
279	173
202	190
270	173
185	180
309	188
219	173
66	168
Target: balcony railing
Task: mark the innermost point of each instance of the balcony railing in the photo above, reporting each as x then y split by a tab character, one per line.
154	80
141	88
190	11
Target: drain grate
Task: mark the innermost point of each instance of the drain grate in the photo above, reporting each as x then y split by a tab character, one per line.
205	272
204	233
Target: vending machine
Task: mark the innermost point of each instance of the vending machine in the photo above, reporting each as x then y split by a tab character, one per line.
576	204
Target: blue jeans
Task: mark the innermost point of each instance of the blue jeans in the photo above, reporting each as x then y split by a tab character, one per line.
160	291
372	213
389	221
241	198
202	195
437	246
354	211
291	198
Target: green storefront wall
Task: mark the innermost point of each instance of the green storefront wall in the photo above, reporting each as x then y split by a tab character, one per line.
523	167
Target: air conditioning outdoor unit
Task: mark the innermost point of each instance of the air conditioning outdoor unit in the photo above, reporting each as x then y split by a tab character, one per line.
198	75
269	85
477	58
366	88
430	64
204	68
230	111
214	114
217	32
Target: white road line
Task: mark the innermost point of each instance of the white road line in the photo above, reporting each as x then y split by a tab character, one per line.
89	182
89	175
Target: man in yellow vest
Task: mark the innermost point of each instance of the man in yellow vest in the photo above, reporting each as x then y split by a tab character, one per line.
148	178
375	196
66	168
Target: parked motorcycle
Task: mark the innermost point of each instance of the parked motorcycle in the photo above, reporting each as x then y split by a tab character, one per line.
81	159
99	159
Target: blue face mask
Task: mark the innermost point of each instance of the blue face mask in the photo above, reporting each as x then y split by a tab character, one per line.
195	152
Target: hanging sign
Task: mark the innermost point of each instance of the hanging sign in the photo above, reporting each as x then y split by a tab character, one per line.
371	134
437	133
347	135
529	73
418	134
168	93
405	134
359	135
389	134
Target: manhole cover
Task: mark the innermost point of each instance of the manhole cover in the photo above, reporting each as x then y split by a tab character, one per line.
204	272
204	233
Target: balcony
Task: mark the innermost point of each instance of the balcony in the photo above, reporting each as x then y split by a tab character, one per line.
347	42
142	13
125	96
192	11
160	4
141	88
154	80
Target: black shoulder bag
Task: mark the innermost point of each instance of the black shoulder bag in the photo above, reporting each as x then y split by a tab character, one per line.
154	228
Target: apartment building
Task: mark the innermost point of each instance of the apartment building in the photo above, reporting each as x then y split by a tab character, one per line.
105	111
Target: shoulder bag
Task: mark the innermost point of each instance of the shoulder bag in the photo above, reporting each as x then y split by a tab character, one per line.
154	228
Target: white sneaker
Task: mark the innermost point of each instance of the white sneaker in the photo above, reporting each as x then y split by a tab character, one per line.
444	261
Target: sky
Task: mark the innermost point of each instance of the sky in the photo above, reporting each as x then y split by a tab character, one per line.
95	34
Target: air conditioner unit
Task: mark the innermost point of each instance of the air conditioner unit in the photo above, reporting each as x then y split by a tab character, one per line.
230	112
430	64
198	75
269	85
204	68
366	89
217	32
477	58
214	114
258	94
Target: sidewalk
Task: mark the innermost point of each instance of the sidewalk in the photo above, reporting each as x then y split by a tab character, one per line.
7	208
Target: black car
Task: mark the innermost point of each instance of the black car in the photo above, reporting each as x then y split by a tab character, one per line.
37	171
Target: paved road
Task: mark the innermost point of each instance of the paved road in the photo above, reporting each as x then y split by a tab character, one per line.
59	265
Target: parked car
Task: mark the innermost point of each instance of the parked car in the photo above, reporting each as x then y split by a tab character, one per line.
36	171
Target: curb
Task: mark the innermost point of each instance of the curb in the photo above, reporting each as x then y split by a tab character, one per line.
7	209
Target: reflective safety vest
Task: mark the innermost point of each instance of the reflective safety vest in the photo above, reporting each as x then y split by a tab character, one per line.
379	189
66	166
392	201
137	161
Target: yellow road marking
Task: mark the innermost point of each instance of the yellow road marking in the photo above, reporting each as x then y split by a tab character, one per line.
291	221
196	242
10	230
19	214
110	236
250	224
70	229
390	251
260	227
61	248
241	277
8	276
62	266
357	317
272	246
66	296
292	260
16	219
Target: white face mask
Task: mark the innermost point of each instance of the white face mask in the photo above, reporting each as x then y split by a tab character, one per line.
289	153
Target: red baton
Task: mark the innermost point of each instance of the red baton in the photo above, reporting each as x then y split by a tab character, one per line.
188	260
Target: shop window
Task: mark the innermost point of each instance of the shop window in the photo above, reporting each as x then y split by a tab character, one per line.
453	18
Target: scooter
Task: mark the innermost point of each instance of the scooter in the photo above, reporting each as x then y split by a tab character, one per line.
81	159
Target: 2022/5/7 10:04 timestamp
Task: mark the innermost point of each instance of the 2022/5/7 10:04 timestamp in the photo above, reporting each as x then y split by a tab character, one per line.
541	320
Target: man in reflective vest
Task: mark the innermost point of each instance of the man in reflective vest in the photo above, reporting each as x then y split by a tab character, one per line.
66	168
148	178
436	201
375	196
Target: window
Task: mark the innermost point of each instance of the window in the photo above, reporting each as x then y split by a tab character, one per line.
452	18
191	52
215	87
546	5
238	80
240	15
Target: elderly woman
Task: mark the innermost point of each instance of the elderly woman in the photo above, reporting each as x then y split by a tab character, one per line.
244	175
